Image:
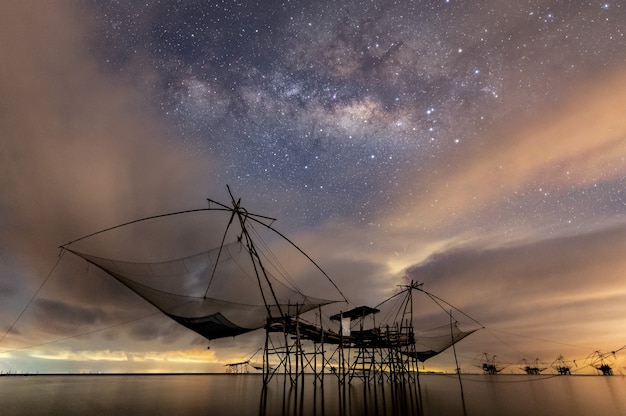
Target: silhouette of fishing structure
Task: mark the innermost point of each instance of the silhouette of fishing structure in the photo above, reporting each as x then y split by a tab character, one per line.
534	368
562	366
241	286
242	367
488	364
602	361
387	349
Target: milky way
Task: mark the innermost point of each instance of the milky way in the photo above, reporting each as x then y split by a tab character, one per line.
340	99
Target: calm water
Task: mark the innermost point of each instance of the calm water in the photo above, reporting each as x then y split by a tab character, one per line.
243	395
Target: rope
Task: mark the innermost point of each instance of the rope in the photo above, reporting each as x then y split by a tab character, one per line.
139	220
34	296
59	257
499	378
458	369
433	297
83	333
309	258
235	209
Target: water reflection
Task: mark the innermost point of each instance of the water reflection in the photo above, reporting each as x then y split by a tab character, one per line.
281	397
244	395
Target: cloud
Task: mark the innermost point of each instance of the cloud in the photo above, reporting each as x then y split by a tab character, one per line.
166	331
568	290
81	150
555	157
66	314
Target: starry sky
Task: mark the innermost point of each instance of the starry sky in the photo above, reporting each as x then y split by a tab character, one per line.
477	147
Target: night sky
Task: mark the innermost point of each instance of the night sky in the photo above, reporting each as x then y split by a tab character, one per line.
477	147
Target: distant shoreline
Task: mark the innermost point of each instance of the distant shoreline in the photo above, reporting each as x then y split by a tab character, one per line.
260	374
120	374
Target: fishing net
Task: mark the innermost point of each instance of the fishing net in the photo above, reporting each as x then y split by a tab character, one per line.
417	322
225	291
431	342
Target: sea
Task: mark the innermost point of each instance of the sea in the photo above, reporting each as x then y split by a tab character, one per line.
244	394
